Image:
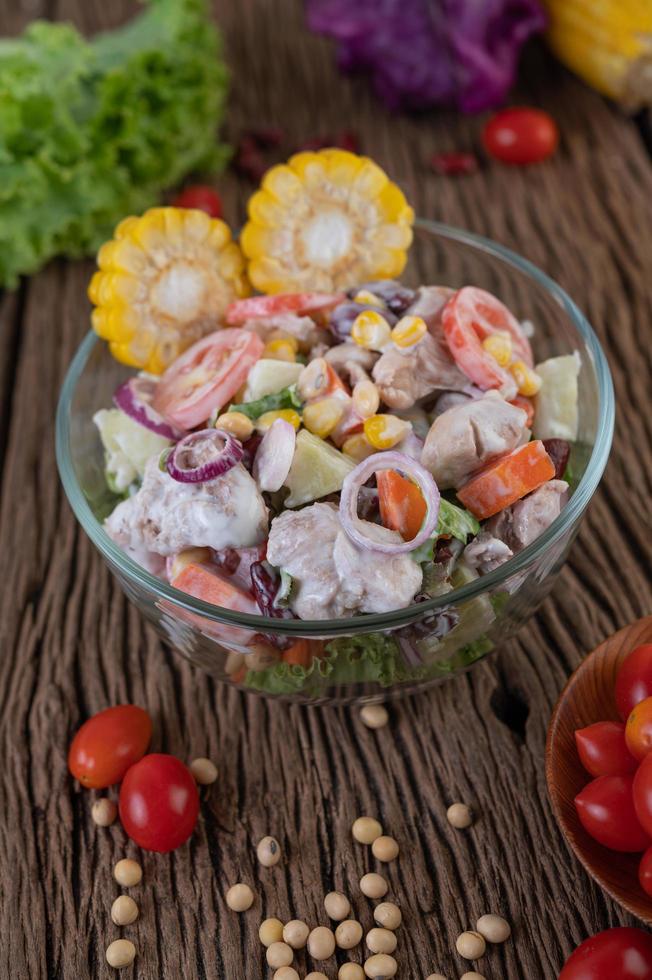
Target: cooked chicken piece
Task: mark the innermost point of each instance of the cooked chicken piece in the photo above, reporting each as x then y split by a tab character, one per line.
429	303
166	516
303	328
525	520
485	553
465	438
343	356
332	576
451	399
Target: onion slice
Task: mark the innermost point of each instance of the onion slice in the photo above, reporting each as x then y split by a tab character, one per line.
134	398
221	452
355	527
274	456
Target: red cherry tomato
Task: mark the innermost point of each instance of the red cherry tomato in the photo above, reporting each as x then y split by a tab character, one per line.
200	197
469	317
643	793
645	872
638	730
521	135
159	803
606	811
255	307
206	376
615	954
634	681
108	743
602	749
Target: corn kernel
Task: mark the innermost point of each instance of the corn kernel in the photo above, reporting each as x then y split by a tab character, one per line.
279	350
282	335
409	331
264	422
499	346
528	381
358	447
371	330
369	299
385	431
366	398
321	417
237	423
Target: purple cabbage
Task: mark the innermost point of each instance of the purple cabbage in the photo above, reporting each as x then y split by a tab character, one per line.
461	53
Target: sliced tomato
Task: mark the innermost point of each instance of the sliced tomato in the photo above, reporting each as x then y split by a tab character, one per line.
469	317
256	307
401	503
206	376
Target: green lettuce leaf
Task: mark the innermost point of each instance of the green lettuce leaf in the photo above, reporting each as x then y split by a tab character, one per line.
453	522
93	131
285	398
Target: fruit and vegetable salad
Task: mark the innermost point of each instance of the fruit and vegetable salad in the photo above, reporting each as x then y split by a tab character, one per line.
336	442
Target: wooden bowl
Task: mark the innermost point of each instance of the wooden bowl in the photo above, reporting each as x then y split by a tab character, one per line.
589	697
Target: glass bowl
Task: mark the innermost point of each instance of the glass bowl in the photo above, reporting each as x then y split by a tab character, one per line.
373	656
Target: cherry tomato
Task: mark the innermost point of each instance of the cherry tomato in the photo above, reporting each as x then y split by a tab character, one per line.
159	803
206	376
643	793
638	730
645	872
108	744
615	954
471	315
634	681
602	749
255	307
606	811
521	135
200	197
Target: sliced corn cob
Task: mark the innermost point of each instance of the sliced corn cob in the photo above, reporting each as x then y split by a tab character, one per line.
165	280
325	221
608	43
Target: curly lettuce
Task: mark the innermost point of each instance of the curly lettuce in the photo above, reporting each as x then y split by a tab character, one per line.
91	131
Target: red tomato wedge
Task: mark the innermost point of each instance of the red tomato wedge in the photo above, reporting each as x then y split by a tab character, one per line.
402	506
507	480
206	376
256	307
469	317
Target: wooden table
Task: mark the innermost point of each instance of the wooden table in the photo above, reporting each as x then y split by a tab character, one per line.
72	644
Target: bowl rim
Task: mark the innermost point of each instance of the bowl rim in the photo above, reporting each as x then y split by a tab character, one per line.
365	622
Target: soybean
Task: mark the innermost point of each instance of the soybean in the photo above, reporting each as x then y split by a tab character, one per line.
381	941
470	945
321	943
239	897
388	915
279	954
270	931
373	885
295	934
268	852
348	934
104	812
380	966
366	830
120	953
337	906
385	849
128	873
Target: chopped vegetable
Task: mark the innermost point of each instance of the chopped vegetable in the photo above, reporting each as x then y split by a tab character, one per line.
325	221
507	480
95	130
127	447
274	456
203	456
520	135
402	506
268	376
285	398
556	403
205	583
317	470
456	522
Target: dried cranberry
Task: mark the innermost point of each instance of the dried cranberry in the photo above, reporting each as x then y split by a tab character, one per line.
559	452
341	318
250	449
347	140
267	136
248	160
228	559
313	144
394	295
265	584
455	164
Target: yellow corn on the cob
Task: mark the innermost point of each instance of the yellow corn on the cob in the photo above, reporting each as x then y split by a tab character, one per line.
608	43
499	346
409	331
371	330
165	280
385	431
321	417
325	221
264	421
528	381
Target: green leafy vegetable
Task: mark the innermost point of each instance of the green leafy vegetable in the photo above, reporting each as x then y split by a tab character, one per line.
93	131
453	522
285	398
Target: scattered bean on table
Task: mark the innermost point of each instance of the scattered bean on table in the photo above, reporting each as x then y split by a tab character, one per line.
348	934
470	945
436	976
385	849
321	943
270	931
128	873
381	941
493	928
380	966
366	830
121	952
337	906
373	885
374	716
295	934
388	915
350	971
239	897
459	816
268	852
104	812
124	910
286	973
204	771
472	976
316	976
279	954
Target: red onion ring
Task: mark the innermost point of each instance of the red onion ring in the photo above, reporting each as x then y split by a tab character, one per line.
134	398
229	455
274	457
355	527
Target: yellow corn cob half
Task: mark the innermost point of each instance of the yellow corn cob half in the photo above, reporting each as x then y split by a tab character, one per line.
164	281
608	43
325	221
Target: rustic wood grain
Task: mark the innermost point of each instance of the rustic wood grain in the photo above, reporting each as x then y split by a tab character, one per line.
72	644
589	697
